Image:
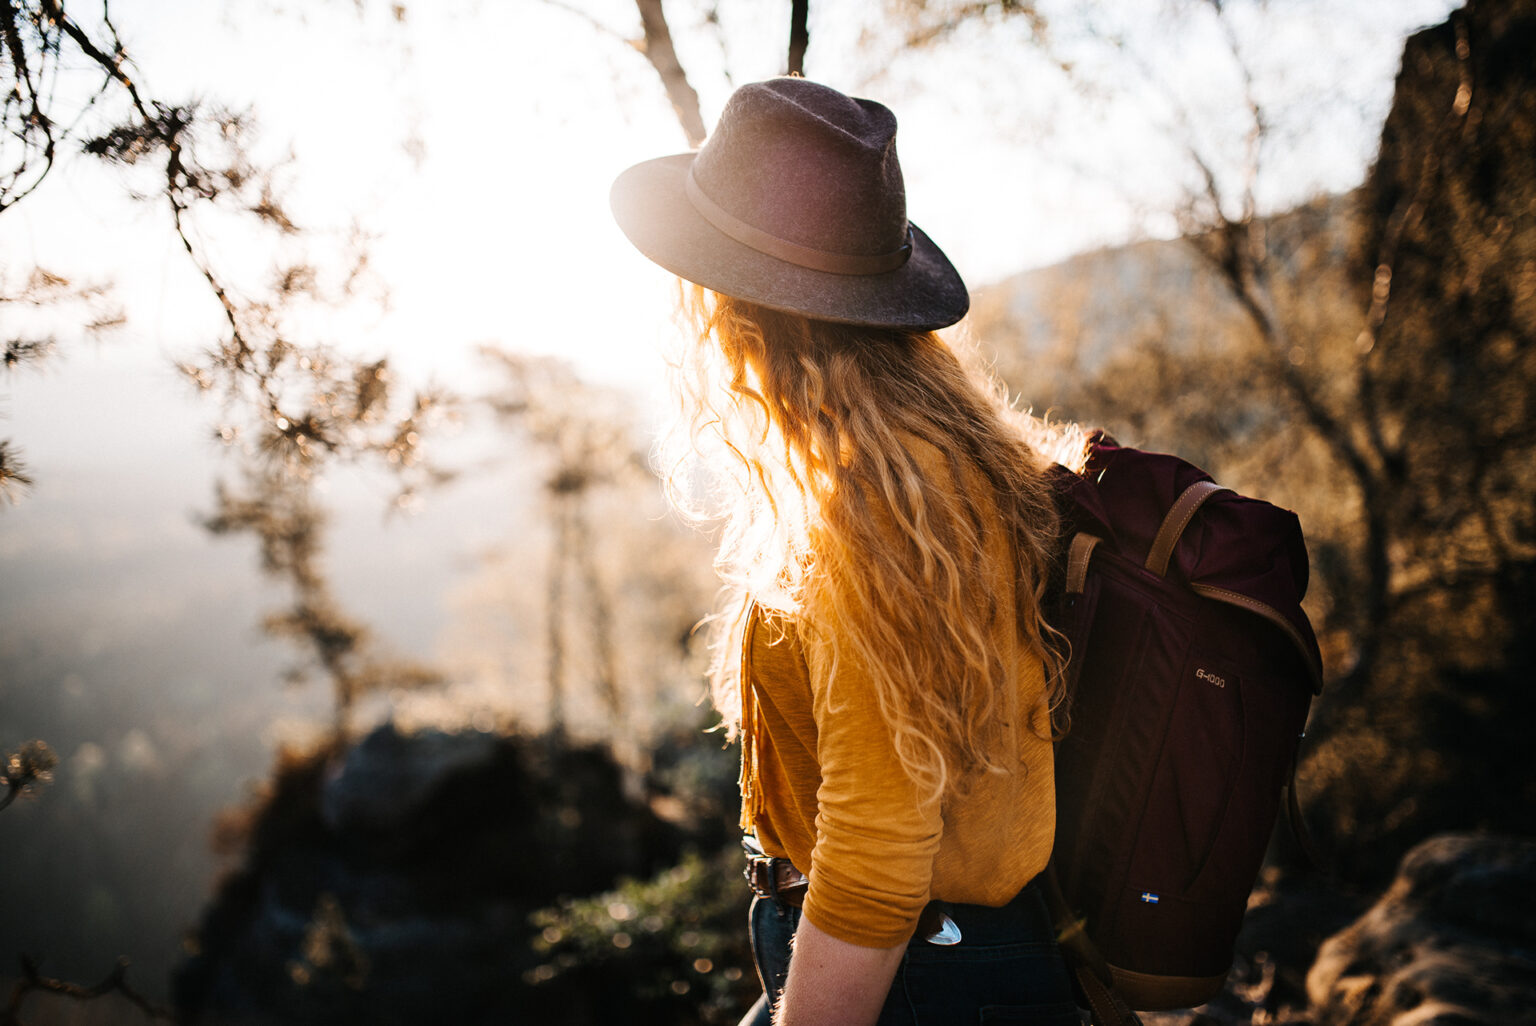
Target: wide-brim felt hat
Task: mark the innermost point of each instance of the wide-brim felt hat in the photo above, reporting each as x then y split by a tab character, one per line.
795	202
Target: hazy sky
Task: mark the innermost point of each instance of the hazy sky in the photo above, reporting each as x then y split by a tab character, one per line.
476	140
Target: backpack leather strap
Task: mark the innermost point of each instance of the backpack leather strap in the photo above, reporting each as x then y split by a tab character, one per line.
1078	556
1177	518
1091	974
1106	1006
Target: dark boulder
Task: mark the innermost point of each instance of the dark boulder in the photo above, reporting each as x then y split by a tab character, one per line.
392	881
1451	943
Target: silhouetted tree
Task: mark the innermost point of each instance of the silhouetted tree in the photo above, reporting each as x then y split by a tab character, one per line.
195	160
587	443
1364	359
26	345
290	404
279	509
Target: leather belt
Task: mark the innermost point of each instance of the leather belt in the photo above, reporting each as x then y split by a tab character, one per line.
775	879
778	880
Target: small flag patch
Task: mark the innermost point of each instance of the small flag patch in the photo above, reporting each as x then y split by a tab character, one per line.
1149	897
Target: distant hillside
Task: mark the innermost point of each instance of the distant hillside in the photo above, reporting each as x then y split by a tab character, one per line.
1079	314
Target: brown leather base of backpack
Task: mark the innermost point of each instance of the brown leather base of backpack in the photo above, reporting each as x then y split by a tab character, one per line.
1164	993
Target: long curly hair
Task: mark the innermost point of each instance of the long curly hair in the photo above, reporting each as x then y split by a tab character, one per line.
802	430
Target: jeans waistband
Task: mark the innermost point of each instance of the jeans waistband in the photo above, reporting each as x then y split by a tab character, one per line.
1025	917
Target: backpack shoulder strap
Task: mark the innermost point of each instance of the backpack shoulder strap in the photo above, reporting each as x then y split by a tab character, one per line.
1078	556
1178	518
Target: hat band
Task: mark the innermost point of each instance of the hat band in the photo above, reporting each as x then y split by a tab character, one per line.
794	253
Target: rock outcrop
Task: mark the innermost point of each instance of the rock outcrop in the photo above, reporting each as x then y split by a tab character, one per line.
391	881
1451	943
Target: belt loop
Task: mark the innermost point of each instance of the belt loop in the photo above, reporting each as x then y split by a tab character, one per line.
779	905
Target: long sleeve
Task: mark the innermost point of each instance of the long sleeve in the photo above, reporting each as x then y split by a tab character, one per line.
876	840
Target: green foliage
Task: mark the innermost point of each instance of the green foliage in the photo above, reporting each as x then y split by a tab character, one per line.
674	944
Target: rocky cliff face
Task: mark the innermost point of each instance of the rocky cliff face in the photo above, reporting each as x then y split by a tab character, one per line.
393	882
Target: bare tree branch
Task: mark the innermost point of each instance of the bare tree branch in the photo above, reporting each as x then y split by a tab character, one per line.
14	479
278	508
956	16
592	22
24	115
1258	124
659	51
116	982
33	763
717	30
656	47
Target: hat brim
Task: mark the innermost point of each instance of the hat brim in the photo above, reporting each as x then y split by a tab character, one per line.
652	208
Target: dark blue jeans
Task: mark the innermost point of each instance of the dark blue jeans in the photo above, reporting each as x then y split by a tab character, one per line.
1005	970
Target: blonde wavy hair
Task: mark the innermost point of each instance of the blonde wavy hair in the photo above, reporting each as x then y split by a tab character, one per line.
801	423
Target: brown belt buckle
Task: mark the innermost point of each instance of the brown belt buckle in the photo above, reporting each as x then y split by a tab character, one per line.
759	874
753	870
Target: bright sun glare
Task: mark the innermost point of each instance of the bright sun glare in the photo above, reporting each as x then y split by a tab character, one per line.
475	143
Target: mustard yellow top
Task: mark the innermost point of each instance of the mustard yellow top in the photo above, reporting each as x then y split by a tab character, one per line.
823	787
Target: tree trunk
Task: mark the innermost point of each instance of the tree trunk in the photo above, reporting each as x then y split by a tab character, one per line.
659	51
799	36
559	560
600	620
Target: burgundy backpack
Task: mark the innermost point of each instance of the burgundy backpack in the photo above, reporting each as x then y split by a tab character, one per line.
1192	667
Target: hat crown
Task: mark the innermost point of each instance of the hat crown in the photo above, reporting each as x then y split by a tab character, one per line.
795	203
809	165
